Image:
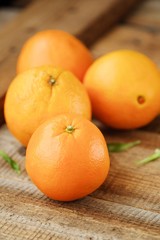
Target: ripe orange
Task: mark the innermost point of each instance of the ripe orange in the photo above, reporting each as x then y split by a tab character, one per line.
56	48
40	93
67	157
124	88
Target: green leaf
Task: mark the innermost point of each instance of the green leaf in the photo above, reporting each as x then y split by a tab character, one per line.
150	158
10	161
119	147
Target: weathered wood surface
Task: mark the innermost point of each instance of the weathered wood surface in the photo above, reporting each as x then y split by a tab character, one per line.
7	15
126	36
147	15
127	205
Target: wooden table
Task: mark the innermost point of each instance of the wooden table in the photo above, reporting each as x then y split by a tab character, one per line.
127	205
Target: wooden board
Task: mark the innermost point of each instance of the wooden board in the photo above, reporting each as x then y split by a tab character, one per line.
129	37
147	16
81	18
126	206
7	15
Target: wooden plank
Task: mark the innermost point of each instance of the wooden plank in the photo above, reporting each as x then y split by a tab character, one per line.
126	206
129	37
89	218
6	15
82	18
147	15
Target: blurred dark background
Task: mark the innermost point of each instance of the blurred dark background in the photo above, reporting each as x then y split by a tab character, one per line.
14	3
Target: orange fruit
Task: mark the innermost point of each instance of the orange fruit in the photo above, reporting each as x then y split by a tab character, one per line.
67	157
124	88
40	93
56	48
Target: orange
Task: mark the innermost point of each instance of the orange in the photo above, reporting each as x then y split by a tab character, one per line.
40	93
67	157
124	88
57	48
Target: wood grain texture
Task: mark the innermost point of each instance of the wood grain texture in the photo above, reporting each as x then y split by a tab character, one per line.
147	16
126	206
6	15
129	37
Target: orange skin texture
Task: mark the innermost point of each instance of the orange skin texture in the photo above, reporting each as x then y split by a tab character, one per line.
31	99
56	48
67	166
124	88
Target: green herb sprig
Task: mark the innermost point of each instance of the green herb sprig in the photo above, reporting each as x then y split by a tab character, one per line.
10	161
119	147
150	158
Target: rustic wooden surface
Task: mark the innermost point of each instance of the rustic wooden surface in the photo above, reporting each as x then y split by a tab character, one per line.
7	15
147	15
127	205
